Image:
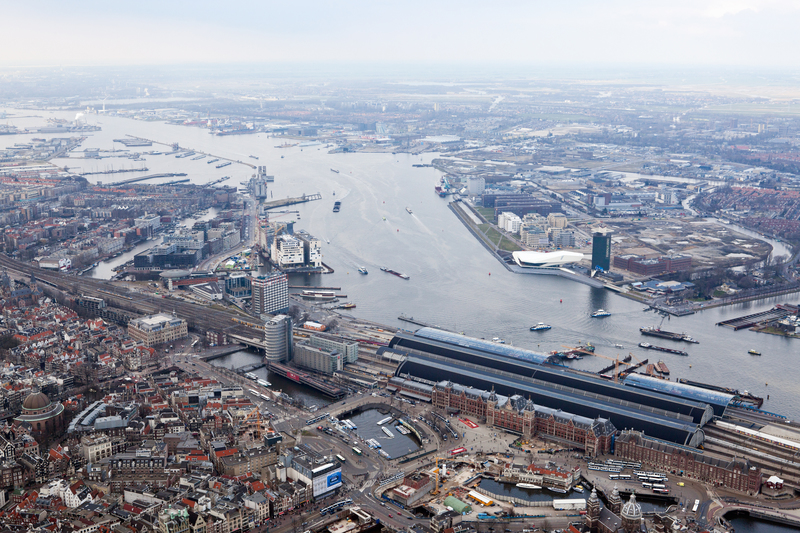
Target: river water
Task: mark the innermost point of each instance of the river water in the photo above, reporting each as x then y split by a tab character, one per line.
454	282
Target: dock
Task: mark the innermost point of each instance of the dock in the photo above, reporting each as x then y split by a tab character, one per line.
222	353
250	368
145	178
776	313
291	201
311	288
412	320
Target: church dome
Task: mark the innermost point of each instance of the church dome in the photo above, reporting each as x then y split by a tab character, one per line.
37	400
631	510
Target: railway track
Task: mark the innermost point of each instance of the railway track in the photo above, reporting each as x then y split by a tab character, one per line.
198	316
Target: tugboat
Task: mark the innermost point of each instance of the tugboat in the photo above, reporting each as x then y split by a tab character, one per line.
753	352
541	326
600	313
362	270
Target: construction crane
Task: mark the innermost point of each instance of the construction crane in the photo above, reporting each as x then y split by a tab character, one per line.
437	481
616	360
252	423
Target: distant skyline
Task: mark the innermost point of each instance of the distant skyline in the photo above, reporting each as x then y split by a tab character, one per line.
678	33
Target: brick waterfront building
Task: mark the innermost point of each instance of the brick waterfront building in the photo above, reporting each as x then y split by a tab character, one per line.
737	474
518	415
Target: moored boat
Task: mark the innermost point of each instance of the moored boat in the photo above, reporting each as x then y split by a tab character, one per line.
528	486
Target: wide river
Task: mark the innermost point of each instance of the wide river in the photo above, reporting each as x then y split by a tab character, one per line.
454	282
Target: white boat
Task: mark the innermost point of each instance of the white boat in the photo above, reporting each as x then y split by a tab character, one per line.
528	486
410	212
600	313
385	420
388	432
541	326
558	490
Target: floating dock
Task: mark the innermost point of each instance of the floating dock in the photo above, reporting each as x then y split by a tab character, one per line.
776	313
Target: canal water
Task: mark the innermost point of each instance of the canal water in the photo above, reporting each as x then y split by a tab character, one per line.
743	523
540	495
453	281
242	358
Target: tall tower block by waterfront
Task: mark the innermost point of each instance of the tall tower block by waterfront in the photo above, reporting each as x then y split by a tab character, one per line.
601	249
278	339
270	293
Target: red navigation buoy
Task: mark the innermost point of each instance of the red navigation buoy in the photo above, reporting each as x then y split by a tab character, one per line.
490	273
398	231
561	301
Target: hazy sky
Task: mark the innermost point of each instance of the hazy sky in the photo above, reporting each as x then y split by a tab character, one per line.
634	32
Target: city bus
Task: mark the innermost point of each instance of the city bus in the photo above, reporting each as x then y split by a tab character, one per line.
647	485
341	459
660	491
619	476
659	486
356	451
696	505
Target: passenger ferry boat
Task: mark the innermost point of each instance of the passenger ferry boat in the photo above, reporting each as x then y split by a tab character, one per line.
600	313
541	326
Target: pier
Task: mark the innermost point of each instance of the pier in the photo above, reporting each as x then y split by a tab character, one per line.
412	320
291	201
297	376
250	368
310	288
145	178
221	353
118	171
776	313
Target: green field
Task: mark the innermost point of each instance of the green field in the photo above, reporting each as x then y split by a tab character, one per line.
486	212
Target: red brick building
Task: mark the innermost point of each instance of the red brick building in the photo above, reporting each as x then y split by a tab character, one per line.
736	474
518	415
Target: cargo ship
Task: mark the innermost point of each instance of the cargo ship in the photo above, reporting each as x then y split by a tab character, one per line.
649	346
211	161
199	157
441	192
658	332
334	170
253	156
225	164
661	366
396	273
336	206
